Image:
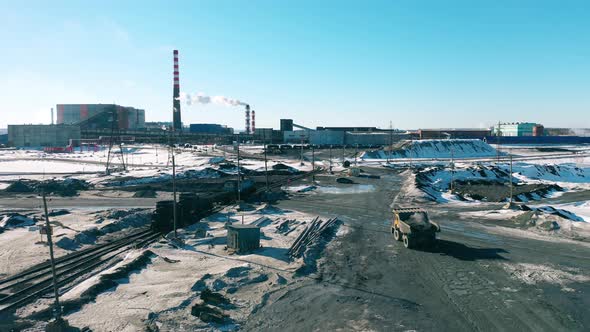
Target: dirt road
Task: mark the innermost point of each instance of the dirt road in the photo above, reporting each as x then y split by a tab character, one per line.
367	281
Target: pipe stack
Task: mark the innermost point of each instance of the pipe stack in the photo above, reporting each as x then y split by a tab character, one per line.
312	232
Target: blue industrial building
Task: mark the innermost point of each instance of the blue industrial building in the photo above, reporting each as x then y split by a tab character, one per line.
209	128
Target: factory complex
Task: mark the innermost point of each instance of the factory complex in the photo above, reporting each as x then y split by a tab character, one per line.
94	124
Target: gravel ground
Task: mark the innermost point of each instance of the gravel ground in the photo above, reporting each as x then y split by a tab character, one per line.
480	276
475	279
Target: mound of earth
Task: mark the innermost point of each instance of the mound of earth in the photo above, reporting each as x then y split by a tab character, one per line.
67	187
435	148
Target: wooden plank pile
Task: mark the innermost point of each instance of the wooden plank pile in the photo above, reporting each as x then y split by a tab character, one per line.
313	231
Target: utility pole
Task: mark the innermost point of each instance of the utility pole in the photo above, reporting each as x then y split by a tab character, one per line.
239	180
174	191
410	151
312	163
510	175
301	153
452	170
330	158
498	142
356	151
122	154
50	242
390	141
265	164
107	171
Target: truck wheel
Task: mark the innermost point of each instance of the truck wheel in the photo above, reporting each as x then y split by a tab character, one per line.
408	242
397	235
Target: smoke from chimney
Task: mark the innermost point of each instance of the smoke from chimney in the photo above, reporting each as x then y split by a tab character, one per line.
201	98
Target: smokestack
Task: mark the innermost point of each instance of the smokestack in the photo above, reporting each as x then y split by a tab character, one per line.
177	124
253	121
247	119
52	115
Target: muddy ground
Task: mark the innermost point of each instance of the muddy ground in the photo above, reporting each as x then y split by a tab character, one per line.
367	281
475	279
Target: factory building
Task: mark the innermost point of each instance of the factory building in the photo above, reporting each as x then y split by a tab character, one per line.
268	135
362	129
518	129
99	116
209	128
441	133
286	125
42	135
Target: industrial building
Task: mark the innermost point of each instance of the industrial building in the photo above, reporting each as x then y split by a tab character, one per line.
363	129
441	133
99	116
42	135
209	128
518	129
361	136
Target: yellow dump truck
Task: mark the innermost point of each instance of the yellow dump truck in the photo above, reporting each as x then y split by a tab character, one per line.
413	227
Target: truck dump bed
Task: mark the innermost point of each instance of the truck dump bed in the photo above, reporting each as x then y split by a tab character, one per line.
415	218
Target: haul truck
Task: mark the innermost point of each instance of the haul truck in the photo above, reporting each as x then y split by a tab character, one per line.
413	227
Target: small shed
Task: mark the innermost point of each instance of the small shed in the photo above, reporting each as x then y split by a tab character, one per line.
243	238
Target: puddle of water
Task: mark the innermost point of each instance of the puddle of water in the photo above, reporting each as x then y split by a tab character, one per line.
352	189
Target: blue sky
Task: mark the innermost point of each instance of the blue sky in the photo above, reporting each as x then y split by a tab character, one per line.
419	64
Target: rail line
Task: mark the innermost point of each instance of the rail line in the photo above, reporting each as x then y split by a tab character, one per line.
35	282
31	284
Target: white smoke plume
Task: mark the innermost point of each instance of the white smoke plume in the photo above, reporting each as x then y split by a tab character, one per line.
201	98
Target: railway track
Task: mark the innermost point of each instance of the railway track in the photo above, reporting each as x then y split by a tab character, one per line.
31	284
35	282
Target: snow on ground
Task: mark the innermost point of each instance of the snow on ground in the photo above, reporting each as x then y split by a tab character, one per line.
171	276
150	162
546	226
46	166
23	246
434	181
580	209
533	274
433	148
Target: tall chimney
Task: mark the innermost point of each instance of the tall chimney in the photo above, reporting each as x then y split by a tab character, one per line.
52	115
247	119
177	124
253	121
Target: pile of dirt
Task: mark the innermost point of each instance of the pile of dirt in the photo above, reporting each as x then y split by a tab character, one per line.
344	180
59	212
496	191
20	186
209	314
67	187
15	220
145	193
127	219
435	148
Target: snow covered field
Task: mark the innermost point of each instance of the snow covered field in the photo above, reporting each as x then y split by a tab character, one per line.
160	286
151	163
22	246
